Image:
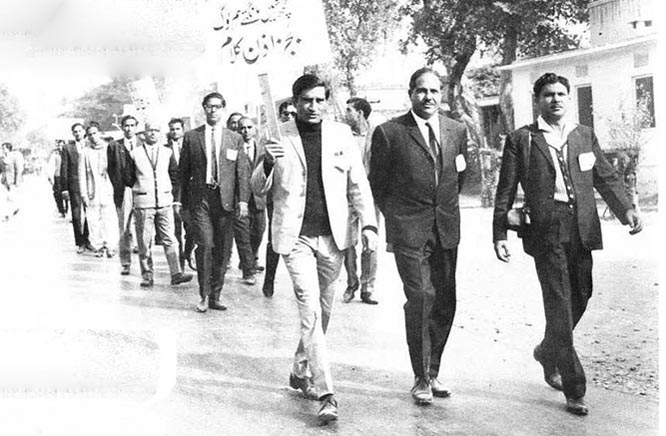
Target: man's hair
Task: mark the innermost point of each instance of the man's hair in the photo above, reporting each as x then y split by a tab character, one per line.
234	114
420	72
124	119
306	82
8	146
245	118
284	105
213	95
549	79
177	121
360	104
77	124
91	124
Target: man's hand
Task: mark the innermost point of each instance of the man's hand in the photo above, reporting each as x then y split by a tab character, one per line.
502	251
274	150
242	209
635	221
369	238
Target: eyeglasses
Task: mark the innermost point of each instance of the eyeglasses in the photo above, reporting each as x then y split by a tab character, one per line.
210	107
289	114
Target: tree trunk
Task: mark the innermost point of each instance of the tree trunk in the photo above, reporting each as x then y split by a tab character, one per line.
456	72
509	50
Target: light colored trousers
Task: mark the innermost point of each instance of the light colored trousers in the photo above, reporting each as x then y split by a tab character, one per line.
314	266
147	220
102	225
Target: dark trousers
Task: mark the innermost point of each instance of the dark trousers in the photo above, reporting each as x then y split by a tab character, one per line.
248	232
272	258
429	283
60	201
213	230
182	232
79	223
564	269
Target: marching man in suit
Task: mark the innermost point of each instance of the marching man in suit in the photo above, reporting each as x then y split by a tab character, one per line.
416	168
213	175
558	163
314	175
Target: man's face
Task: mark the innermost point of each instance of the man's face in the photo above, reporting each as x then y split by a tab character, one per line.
426	96
176	131
214	110
352	116
93	135
553	102
288	113
232	122
246	129
310	105
78	133
129	128
151	134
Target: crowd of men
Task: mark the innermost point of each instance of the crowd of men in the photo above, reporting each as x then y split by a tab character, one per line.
322	186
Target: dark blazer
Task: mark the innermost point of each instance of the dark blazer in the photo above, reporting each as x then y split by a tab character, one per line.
69	170
118	157
539	186
402	178
233	173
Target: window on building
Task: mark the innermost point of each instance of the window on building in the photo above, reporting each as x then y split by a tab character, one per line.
585	113
645	101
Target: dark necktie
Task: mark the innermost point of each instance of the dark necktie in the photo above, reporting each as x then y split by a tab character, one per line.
213	156
565	174
434	148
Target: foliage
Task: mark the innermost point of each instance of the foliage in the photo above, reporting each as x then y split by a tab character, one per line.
11	116
484	81
356	28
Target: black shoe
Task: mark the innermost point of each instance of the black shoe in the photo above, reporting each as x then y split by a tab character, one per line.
304	384
203	305
422	392
348	296
438	389
366	297
146	283
329	409
268	289
216	305
125	270
550	373
577	406
179	278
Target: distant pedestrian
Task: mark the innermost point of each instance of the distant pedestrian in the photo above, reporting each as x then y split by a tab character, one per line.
558	163
53	173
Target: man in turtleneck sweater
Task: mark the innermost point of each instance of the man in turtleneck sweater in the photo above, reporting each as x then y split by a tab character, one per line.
316	178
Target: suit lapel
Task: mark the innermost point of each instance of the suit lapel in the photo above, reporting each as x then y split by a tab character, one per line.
415	133
291	133
542	146
202	141
573	140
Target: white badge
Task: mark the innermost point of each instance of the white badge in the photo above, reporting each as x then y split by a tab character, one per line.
460	163
586	161
232	154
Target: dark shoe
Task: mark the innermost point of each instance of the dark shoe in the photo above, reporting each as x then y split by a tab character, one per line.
438	389
135	250
146	283
366	297
550	373
80	249
268	289
577	406
304	384
216	305
99	253
125	270
329	409
348	296
89	247
179	278
249	279
203	305
110	253
421	391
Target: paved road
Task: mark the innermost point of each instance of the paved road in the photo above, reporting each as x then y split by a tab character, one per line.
87	352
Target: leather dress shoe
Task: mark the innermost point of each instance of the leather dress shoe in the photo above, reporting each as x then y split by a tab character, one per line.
203	305
216	305
348	296
304	384
438	389
577	406
125	270
329	409
146	282
268	289
421	391
179	278
550	372
366	297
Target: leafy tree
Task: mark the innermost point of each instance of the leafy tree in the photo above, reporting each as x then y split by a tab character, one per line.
355	29
455	29
100	103
11	116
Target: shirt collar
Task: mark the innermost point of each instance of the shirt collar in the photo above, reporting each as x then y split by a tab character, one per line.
421	122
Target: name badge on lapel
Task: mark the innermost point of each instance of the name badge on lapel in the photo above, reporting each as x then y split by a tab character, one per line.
461	165
232	154
586	161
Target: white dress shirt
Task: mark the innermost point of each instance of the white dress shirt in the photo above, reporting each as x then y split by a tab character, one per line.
557	140
218	143
423	127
